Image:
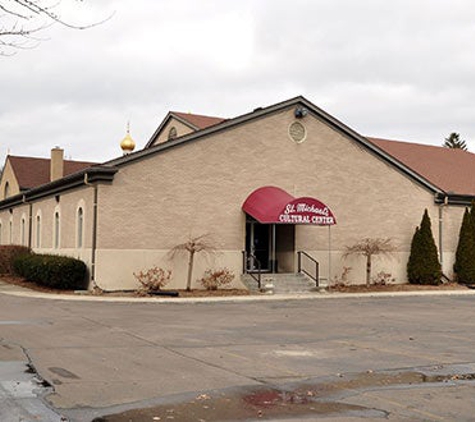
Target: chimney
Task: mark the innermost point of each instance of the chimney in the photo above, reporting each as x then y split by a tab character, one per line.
56	164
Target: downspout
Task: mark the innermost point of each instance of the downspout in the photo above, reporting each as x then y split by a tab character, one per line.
94	231
441	232
30	223
30	217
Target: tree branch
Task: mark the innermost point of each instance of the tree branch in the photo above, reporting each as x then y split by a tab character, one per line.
26	11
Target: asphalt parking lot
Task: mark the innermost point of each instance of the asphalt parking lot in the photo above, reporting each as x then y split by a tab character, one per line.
407	358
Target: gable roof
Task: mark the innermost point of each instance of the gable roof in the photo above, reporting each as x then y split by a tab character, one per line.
451	170
32	172
195	122
198	121
262	112
378	147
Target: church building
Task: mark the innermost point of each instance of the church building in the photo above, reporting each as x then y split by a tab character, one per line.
277	188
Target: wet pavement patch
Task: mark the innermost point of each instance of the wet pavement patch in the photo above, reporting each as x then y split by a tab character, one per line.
63	373
312	398
265	404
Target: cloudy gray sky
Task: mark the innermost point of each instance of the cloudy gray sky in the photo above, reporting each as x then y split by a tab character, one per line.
400	69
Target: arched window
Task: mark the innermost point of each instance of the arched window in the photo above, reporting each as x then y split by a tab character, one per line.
56	230
80	224
38	231
6	192
22	231
172	133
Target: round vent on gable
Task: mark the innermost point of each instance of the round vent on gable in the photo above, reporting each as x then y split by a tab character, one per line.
172	133
297	132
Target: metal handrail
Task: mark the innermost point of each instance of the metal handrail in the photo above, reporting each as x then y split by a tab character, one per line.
303	270
246	259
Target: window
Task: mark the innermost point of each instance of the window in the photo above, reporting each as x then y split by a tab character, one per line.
38	231
80	224
172	134
6	192
22	231
56	230
11	232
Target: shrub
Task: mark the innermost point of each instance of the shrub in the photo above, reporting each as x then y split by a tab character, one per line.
8	254
58	272
383	279
342	281
212	280
464	266
152	280
423	266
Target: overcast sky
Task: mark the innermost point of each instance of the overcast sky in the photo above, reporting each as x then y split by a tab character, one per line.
399	69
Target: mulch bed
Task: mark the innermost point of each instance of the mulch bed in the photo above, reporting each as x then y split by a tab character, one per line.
238	292
396	288
182	293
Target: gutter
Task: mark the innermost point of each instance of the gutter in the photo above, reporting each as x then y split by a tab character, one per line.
91	174
454	199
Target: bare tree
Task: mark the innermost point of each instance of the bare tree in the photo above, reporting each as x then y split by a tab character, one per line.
21	20
368	248
191	247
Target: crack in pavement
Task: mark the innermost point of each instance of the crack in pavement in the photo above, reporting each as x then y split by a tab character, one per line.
23	390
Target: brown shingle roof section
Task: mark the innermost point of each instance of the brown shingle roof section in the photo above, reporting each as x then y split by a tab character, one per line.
31	172
451	170
199	121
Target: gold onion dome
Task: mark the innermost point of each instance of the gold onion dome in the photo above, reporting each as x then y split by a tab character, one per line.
127	144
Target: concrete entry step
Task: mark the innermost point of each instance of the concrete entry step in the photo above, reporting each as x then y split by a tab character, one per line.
281	283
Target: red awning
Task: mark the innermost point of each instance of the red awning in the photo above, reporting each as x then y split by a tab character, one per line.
272	205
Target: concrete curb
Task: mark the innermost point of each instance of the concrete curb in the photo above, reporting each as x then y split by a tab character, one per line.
20	292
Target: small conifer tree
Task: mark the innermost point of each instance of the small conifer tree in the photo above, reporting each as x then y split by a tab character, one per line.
423	266
472	215
453	141
464	266
414	265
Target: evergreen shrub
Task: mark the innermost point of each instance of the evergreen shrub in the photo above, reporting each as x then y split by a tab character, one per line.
8	254
464	266
423	266
58	272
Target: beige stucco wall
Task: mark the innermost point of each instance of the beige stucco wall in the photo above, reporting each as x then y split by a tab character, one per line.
68	205
18	218
158	202
116	267
199	188
451	221
8	176
181	130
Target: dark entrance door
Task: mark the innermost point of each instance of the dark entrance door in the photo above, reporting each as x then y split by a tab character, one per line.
258	244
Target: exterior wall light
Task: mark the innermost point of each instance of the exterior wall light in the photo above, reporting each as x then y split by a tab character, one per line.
300	112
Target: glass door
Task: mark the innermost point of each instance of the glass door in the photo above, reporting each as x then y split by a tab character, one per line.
257	244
